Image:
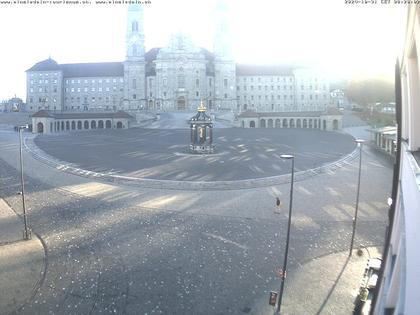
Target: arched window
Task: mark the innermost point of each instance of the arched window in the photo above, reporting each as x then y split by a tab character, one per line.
278	123
270	123
262	123
86	124
298	123
101	124
284	123
67	125
310	123
73	125
252	124
79	125
305	123
93	124
292	123
134	26
108	124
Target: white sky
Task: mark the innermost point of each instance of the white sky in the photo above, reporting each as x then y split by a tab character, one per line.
344	40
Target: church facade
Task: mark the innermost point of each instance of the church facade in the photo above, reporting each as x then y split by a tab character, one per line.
174	78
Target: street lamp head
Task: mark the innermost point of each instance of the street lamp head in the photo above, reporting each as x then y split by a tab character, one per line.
24	126
359	141
287	156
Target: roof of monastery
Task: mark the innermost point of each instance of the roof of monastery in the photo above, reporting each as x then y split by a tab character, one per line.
116	69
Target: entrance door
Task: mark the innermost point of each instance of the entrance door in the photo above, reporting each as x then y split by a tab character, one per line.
181	103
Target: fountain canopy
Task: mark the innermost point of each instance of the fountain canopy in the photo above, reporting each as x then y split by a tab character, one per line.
201	126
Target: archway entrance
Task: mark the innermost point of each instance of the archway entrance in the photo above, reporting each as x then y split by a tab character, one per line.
335	124
181	103
119	125
40	127
252	124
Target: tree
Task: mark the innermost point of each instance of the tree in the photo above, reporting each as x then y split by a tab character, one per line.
372	90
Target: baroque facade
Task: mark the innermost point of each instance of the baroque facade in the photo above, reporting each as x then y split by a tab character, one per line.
175	77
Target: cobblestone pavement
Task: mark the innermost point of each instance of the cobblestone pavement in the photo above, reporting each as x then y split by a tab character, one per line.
120	249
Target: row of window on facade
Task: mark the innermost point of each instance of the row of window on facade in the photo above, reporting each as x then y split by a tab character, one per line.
272	87
251	79
93	81
271	79
42	74
43	89
93	89
284	107
266	97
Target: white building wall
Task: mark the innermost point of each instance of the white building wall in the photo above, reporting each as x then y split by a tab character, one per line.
44	90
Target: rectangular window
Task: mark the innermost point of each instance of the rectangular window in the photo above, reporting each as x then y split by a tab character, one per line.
31	90
121	80
134	84
72	81
78	89
72	89
86	89
86	81
210	82
93	89
134	96
107	88
100	89
93	81
100	80
114	80
225	83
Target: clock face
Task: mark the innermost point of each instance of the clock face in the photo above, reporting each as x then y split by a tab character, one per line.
134	38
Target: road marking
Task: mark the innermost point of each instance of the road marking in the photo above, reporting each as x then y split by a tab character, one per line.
224	240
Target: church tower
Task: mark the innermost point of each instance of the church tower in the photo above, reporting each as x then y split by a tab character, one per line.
135	65
224	65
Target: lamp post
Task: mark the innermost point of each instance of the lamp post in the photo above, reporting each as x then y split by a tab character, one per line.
360	145
27	230
286	251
